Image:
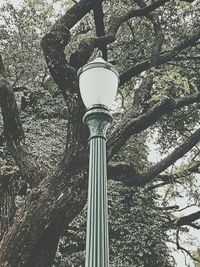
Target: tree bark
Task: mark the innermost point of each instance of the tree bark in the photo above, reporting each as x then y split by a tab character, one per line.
30	169
58	199
8	176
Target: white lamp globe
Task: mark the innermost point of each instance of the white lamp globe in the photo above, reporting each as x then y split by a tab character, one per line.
98	82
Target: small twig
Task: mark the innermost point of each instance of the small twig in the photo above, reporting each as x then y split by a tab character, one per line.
18	78
43	79
182	248
198	152
167	208
195	226
188	206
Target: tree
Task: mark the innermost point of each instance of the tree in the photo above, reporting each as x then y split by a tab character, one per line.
159	82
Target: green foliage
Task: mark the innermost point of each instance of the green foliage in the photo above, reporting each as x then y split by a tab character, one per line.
134	152
170	84
45	116
20	45
136	229
176	127
196	254
137	236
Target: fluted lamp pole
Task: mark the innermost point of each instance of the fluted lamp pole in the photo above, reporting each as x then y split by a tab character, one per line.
98	82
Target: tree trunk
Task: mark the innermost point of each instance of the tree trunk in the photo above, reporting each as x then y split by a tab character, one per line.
8	175
33	238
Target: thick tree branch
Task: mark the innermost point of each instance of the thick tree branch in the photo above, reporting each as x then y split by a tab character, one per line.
30	170
145	65
12	124
8	177
116	21
169	160
120	171
99	25
131	125
65	76
173	178
86	47
188	219
54	43
129	177
197	227
159	37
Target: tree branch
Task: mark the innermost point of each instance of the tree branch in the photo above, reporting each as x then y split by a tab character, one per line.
142	95
132	179
140	67
159	37
116	21
175	207
12	124
188	219
54	43
99	25
172	178
86	47
169	160
131	125
30	170
120	171
182	248
197	227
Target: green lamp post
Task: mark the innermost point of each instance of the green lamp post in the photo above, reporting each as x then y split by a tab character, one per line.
98	81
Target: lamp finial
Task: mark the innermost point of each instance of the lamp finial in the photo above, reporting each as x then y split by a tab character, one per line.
99	53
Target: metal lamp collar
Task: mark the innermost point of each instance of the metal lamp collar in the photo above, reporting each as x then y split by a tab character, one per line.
98	110
98	117
97	64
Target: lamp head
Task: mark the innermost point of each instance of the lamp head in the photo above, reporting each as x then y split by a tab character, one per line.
98	82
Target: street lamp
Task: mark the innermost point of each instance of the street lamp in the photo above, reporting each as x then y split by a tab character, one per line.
98	81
